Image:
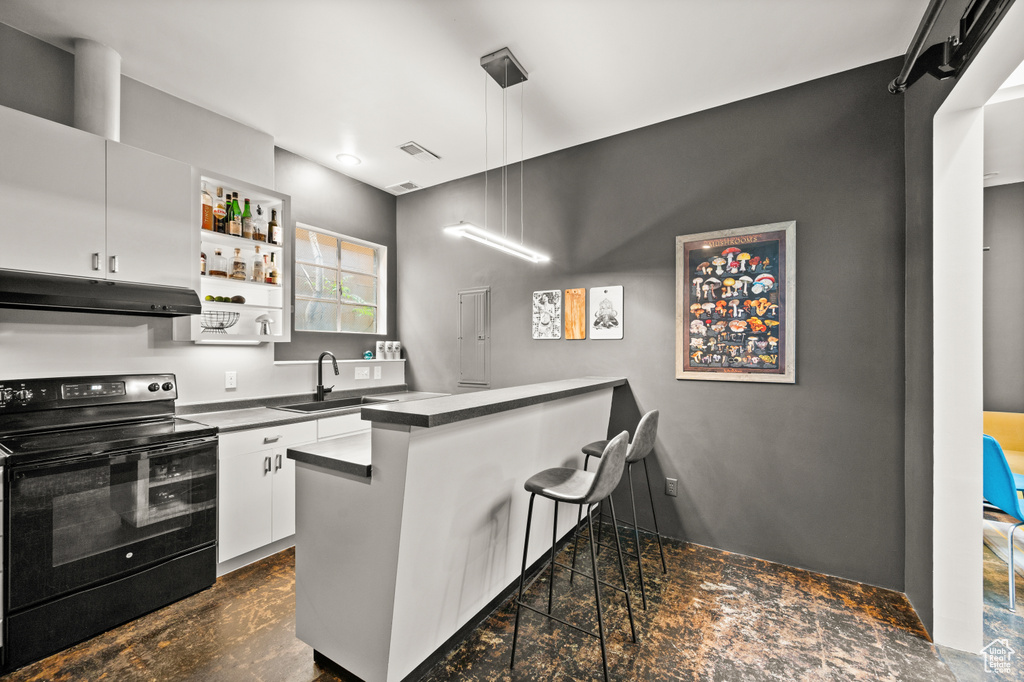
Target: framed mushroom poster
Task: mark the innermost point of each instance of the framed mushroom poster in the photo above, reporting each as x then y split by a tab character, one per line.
736	304
547	314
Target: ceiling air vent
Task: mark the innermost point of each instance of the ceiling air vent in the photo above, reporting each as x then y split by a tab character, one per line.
419	152
402	187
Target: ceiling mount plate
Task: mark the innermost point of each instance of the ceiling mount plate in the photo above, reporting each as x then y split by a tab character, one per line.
503	64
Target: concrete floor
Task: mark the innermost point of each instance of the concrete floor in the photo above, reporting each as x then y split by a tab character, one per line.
714	616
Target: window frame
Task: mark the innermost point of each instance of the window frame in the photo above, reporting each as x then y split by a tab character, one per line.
380	306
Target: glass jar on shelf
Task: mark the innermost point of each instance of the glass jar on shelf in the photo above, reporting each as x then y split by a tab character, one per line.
238	269
257	267
218	265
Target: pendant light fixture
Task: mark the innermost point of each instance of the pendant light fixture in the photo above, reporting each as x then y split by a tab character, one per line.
506	70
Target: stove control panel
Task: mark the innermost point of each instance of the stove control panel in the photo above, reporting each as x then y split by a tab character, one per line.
28	395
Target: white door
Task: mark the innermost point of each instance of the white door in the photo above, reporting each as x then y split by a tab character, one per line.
284	495
244	503
149	218
52	183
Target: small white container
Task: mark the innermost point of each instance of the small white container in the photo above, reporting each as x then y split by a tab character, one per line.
397	345
380	351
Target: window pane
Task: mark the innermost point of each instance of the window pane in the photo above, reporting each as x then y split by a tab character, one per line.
360	258
315	282
314	247
316	316
358	288
360	318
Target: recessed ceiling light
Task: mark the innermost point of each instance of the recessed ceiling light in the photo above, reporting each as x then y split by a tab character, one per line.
349	160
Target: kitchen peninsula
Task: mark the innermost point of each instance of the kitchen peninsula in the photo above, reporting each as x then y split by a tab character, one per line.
399	547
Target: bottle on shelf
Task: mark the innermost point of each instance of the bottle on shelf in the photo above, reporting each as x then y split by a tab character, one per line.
238	266
247	220
257	267
273	275
234	217
259	225
202	263
218	265
219	213
273	229
207	208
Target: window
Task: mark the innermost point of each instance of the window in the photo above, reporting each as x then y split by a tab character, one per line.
340	283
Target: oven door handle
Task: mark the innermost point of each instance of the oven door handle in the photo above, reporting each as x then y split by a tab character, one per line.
121	456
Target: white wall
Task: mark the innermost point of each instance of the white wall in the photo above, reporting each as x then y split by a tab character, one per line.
45	344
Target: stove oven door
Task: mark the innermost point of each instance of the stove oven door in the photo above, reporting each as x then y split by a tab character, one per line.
78	522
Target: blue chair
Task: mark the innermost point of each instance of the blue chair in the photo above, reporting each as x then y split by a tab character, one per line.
1000	487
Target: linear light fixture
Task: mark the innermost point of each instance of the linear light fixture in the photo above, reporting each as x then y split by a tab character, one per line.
495	241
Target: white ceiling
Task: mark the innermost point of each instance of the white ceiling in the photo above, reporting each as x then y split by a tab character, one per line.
1004	132
363	76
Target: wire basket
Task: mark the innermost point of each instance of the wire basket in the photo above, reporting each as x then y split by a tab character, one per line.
217	321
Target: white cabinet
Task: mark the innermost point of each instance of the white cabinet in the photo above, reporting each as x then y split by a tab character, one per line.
52	191
149	217
256	489
239	321
76	204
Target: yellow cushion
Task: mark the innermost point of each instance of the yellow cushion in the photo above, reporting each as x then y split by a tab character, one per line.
1008	429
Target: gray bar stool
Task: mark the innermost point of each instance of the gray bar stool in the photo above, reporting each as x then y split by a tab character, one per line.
641	446
575	486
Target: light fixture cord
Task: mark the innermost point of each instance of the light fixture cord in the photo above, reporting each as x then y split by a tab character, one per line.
522	154
504	154
485	150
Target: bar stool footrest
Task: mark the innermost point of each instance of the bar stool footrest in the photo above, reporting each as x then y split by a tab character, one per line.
587	575
559	620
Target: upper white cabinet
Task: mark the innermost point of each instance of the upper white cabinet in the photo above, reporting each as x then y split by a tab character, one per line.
149	215
52	196
80	205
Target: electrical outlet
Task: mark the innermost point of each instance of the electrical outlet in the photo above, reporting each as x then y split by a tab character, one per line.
231	379
671	487
376	372
362	372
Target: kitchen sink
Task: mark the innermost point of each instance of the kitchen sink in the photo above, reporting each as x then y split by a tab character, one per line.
329	405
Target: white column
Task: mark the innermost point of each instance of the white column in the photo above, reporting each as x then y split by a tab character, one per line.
97	89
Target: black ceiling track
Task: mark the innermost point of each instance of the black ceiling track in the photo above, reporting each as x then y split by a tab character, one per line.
949	58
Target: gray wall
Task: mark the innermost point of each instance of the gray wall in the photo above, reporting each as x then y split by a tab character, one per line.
329	200
809	474
1004	290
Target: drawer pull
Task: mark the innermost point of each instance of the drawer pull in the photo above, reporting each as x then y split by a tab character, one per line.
95	261
267	439
266	465
278	464
113	264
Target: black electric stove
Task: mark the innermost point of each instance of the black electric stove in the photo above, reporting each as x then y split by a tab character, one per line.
110	507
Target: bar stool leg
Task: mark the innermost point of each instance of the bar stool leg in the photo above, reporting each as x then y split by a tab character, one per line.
554	544
522	579
576	532
622	570
636	534
597	595
657	531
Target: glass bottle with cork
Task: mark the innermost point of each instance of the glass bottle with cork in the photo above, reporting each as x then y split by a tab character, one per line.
219	213
234	216
247	220
207	202
257	267
238	266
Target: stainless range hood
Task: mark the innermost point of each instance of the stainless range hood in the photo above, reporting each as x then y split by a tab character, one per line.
76	294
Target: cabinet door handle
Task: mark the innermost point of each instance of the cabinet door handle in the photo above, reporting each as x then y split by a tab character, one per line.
266	465
268	439
96	261
278	463
113	263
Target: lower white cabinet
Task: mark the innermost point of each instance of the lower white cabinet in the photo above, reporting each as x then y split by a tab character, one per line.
256	489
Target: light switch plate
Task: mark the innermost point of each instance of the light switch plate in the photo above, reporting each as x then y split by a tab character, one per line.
376	372
362	372
231	379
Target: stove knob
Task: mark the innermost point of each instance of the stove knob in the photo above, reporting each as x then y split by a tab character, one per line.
154	387
168	386
6	396
24	395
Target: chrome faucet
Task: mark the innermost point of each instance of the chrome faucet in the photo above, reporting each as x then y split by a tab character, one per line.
320	390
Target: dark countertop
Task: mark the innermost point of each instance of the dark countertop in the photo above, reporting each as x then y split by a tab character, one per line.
254	417
454	408
347	454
